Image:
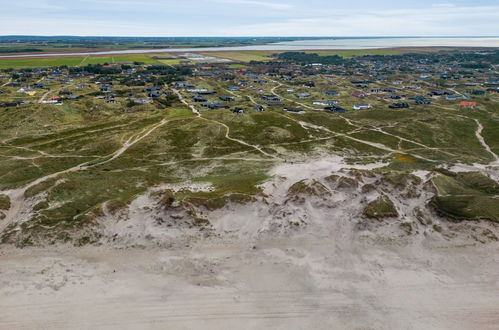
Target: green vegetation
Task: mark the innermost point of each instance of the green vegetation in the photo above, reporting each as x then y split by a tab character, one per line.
74	61
466	196
112	139
312	188
4	202
381	207
243	56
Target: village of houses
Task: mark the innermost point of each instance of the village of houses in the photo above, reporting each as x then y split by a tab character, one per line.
366	83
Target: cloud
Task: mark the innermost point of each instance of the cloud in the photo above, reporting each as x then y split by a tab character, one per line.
435	21
443	5
246	18
266	4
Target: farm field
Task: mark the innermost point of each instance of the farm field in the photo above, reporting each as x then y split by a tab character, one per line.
72	61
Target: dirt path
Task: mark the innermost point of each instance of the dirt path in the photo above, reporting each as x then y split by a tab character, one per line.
83	61
480	138
372	144
227	128
42	98
190	106
252	100
478	134
380	130
8	82
290	100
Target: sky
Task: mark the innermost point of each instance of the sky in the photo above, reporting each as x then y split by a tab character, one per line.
249	18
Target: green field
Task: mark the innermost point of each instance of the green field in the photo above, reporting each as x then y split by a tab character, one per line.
17	63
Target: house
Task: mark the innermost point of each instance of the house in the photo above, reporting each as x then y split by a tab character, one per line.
360	94
215	105
140	100
393	97
420	100
154	94
226	98
274	103
467	104
293	110
259	108
199	98
400	105
153	89
303	95
270	98
477	92
238	110
196	90
206	92
456	97
362	106
440	93
183	84
332	93
335	109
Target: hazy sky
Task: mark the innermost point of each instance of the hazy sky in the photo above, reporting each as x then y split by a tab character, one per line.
249	17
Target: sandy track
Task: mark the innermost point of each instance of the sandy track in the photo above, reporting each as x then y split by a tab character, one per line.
8	82
290	100
480	138
227	128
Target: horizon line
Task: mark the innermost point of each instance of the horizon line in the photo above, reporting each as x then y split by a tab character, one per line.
269	36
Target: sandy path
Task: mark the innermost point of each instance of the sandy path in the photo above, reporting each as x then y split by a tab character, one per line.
380	130
82	61
42	98
227	128
252	100
290	100
480	138
8	82
190	106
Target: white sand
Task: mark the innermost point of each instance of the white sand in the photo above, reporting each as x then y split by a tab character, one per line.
304	282
258	270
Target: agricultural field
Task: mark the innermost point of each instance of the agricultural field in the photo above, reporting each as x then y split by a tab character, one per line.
73	61
243	56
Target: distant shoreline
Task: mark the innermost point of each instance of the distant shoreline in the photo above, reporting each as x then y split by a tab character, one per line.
419	49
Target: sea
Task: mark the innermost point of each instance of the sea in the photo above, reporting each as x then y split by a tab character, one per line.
315	44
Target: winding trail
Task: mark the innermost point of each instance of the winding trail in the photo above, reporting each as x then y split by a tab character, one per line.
227	128
290	100
190	106
380	130
478	134
480	138
8	82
